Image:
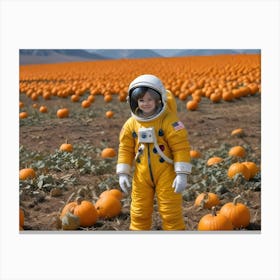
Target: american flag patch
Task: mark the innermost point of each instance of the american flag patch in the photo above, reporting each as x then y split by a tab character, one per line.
178	126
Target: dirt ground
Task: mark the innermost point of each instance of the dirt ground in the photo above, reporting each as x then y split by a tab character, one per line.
209	127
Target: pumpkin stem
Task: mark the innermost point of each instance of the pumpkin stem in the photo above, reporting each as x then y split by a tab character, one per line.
214	211
235	199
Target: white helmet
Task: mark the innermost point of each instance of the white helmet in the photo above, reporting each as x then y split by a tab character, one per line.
143	84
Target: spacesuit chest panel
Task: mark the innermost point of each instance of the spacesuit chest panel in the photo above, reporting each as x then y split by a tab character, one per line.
151	137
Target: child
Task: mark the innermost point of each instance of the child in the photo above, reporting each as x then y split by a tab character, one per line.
156	141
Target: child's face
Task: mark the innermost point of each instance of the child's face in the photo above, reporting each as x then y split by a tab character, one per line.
147	104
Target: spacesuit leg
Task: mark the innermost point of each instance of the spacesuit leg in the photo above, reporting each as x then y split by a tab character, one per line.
169	204
142	203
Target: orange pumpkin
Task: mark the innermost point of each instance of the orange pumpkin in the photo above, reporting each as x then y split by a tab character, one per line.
62	113
237	132
214	221
66	147
227	96
195	154
252	168
23	115
43	109
115	192
91	98
21	217
75	98
207	200
216	97
109	114
108	98
26	173
108	153
84	209
237	151
238	213
192	105
108	206
85	103
238	168
214	160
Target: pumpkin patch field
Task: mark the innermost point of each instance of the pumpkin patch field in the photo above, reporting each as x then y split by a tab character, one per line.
70	117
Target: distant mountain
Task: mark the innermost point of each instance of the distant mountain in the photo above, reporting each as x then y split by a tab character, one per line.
205	52
125	53
38	56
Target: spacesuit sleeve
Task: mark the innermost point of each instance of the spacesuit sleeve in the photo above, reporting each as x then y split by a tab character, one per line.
126	151
177	139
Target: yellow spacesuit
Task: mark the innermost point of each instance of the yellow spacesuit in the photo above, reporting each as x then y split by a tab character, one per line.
158	149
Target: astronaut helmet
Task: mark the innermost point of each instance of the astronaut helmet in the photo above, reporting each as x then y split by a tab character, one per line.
138	88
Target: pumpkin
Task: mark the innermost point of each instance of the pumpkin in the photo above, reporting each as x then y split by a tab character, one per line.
207	200
91	98
108	153
252	168
84	209
195	154
215	97
47	95
227	96
237	132
34	96
196	97
26	173
238	168
192	105
21	104
253	88
108	206
23	115
21	217
238	213
62	113
85	103
214	160
237	151
183	96
122	97
43	109
109	114
214	221
66	147
75	98
108	98
114	192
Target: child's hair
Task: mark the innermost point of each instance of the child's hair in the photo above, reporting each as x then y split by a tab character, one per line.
139	92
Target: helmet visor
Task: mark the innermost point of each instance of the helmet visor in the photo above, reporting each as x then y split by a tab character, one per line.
138	93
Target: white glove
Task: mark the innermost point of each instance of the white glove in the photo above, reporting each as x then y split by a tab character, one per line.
124	182
180	182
